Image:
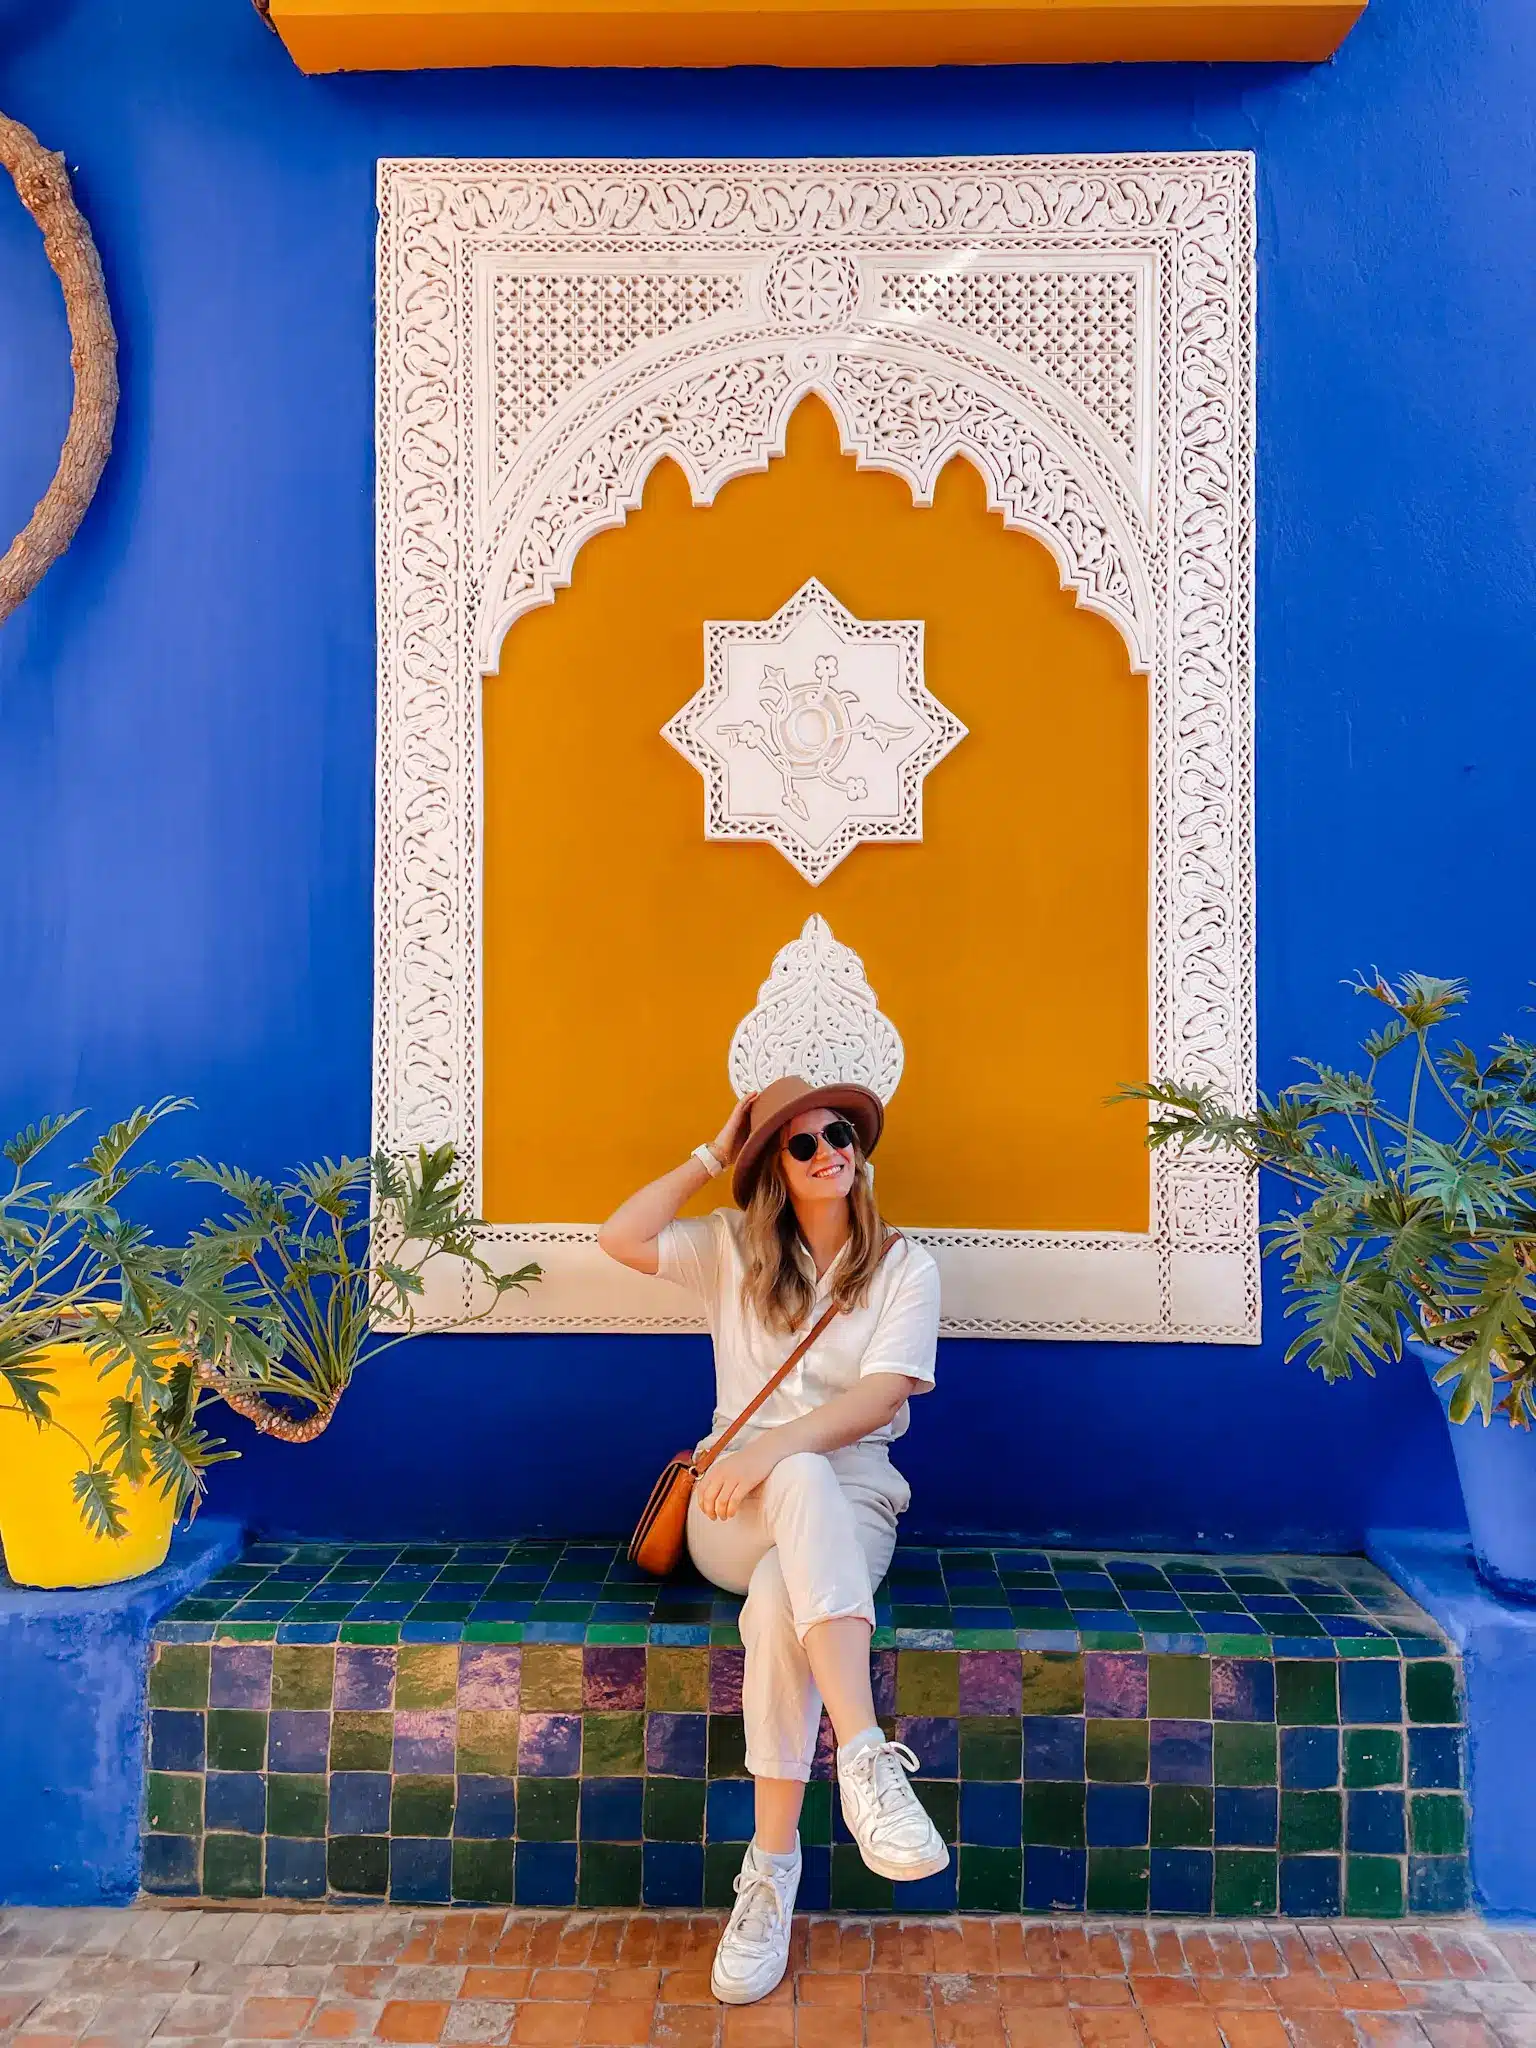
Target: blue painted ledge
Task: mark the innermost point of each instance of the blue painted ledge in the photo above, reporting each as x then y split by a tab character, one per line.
73	1668
1496	1640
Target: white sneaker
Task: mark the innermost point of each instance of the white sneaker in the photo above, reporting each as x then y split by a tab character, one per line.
754	1949
895	1836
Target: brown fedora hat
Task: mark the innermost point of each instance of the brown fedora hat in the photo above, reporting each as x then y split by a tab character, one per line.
782	1101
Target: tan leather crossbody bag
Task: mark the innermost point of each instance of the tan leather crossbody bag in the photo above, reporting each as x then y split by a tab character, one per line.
659	1538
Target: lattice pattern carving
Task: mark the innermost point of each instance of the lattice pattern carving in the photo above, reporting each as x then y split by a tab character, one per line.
817	1016
1027	380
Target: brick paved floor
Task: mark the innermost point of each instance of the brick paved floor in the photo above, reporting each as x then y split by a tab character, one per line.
617	1980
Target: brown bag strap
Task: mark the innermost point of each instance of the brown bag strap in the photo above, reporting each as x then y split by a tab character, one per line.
705	1459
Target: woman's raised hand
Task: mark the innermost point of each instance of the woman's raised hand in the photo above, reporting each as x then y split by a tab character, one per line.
734	1130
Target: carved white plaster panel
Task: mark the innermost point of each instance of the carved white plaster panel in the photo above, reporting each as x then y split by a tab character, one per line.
1080	329
813	730
817	1016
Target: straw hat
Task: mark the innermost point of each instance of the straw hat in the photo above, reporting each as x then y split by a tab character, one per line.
782	1101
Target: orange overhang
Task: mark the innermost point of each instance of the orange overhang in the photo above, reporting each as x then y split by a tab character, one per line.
407	35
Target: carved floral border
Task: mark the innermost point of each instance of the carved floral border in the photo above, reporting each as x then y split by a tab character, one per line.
1163	547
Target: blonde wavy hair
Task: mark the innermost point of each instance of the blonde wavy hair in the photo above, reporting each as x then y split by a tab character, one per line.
774	1283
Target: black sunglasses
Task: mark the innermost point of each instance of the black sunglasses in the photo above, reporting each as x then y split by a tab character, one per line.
839	1135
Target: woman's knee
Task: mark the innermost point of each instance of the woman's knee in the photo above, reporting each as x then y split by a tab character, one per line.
800	1472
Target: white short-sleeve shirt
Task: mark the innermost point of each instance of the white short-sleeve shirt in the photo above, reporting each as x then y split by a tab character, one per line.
896	1330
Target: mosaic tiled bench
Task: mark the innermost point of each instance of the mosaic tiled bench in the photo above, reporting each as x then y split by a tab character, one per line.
535	1723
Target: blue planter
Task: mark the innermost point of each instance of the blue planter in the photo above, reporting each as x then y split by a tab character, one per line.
1497	1469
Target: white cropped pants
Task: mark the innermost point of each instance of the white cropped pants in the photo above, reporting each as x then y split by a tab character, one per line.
810	1545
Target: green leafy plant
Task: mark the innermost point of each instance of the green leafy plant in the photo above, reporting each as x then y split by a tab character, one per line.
1420	1210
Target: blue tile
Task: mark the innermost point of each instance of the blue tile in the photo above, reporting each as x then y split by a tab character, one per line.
675	1744
1247	1816
171	1865
554	1632
685	1635
1309	1887
610	1809
360	1802
486	1810
1181	1881
935	1741
176	1740
672	1874
1242	1688
1170	1645
1181	1753
309	1632
1046	1639
1053	1746
1309	1759
420	1869
934	1894
1375	1823
1117	1816
1370	1690
729	1810
299	1739
1302	1646
815	1894
295	1869
235	1803
1434	1759
990	1815
1438	1884
1055	1880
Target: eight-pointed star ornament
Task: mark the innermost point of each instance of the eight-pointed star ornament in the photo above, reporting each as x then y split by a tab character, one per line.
813	730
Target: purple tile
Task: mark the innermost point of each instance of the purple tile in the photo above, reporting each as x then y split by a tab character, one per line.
882	1674
824	1757
1242	1689
365	1677
934	1740
549	1745
613	1678
1115	1685
674	1744
240	1675
298	1739
991	1682
725	1669
1181	1752
424	1739
490	1675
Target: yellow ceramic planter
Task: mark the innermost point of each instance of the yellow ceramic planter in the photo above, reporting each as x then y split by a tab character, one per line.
45	1538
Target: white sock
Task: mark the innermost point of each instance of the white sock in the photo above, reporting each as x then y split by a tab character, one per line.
776	1859
867	1738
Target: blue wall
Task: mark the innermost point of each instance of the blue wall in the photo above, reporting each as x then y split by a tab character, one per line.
186	707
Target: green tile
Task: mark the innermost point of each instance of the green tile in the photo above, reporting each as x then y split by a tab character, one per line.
991	1747
855	1887
1053	1682
375	1632
1181	1816
674	1810
816	1813
979	1639
1306	1691
1365	1646
1431	1688
613	1745
246	1632
1311	1820
303	1674
296	1803
927	1683
490	1632
1117	1752
358	1865
173	1803
232	1866
727	1755
546	1809
362	1742
1109	1639
722	1861
990	1881
940	1800
1179	1688
1117	1880
179	1675
1373	1887
487	1742
237	1739
1246	1883
1373	1756
1439	1823
482	1873
422	1806
427	1675
1053	1815
1243	1753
